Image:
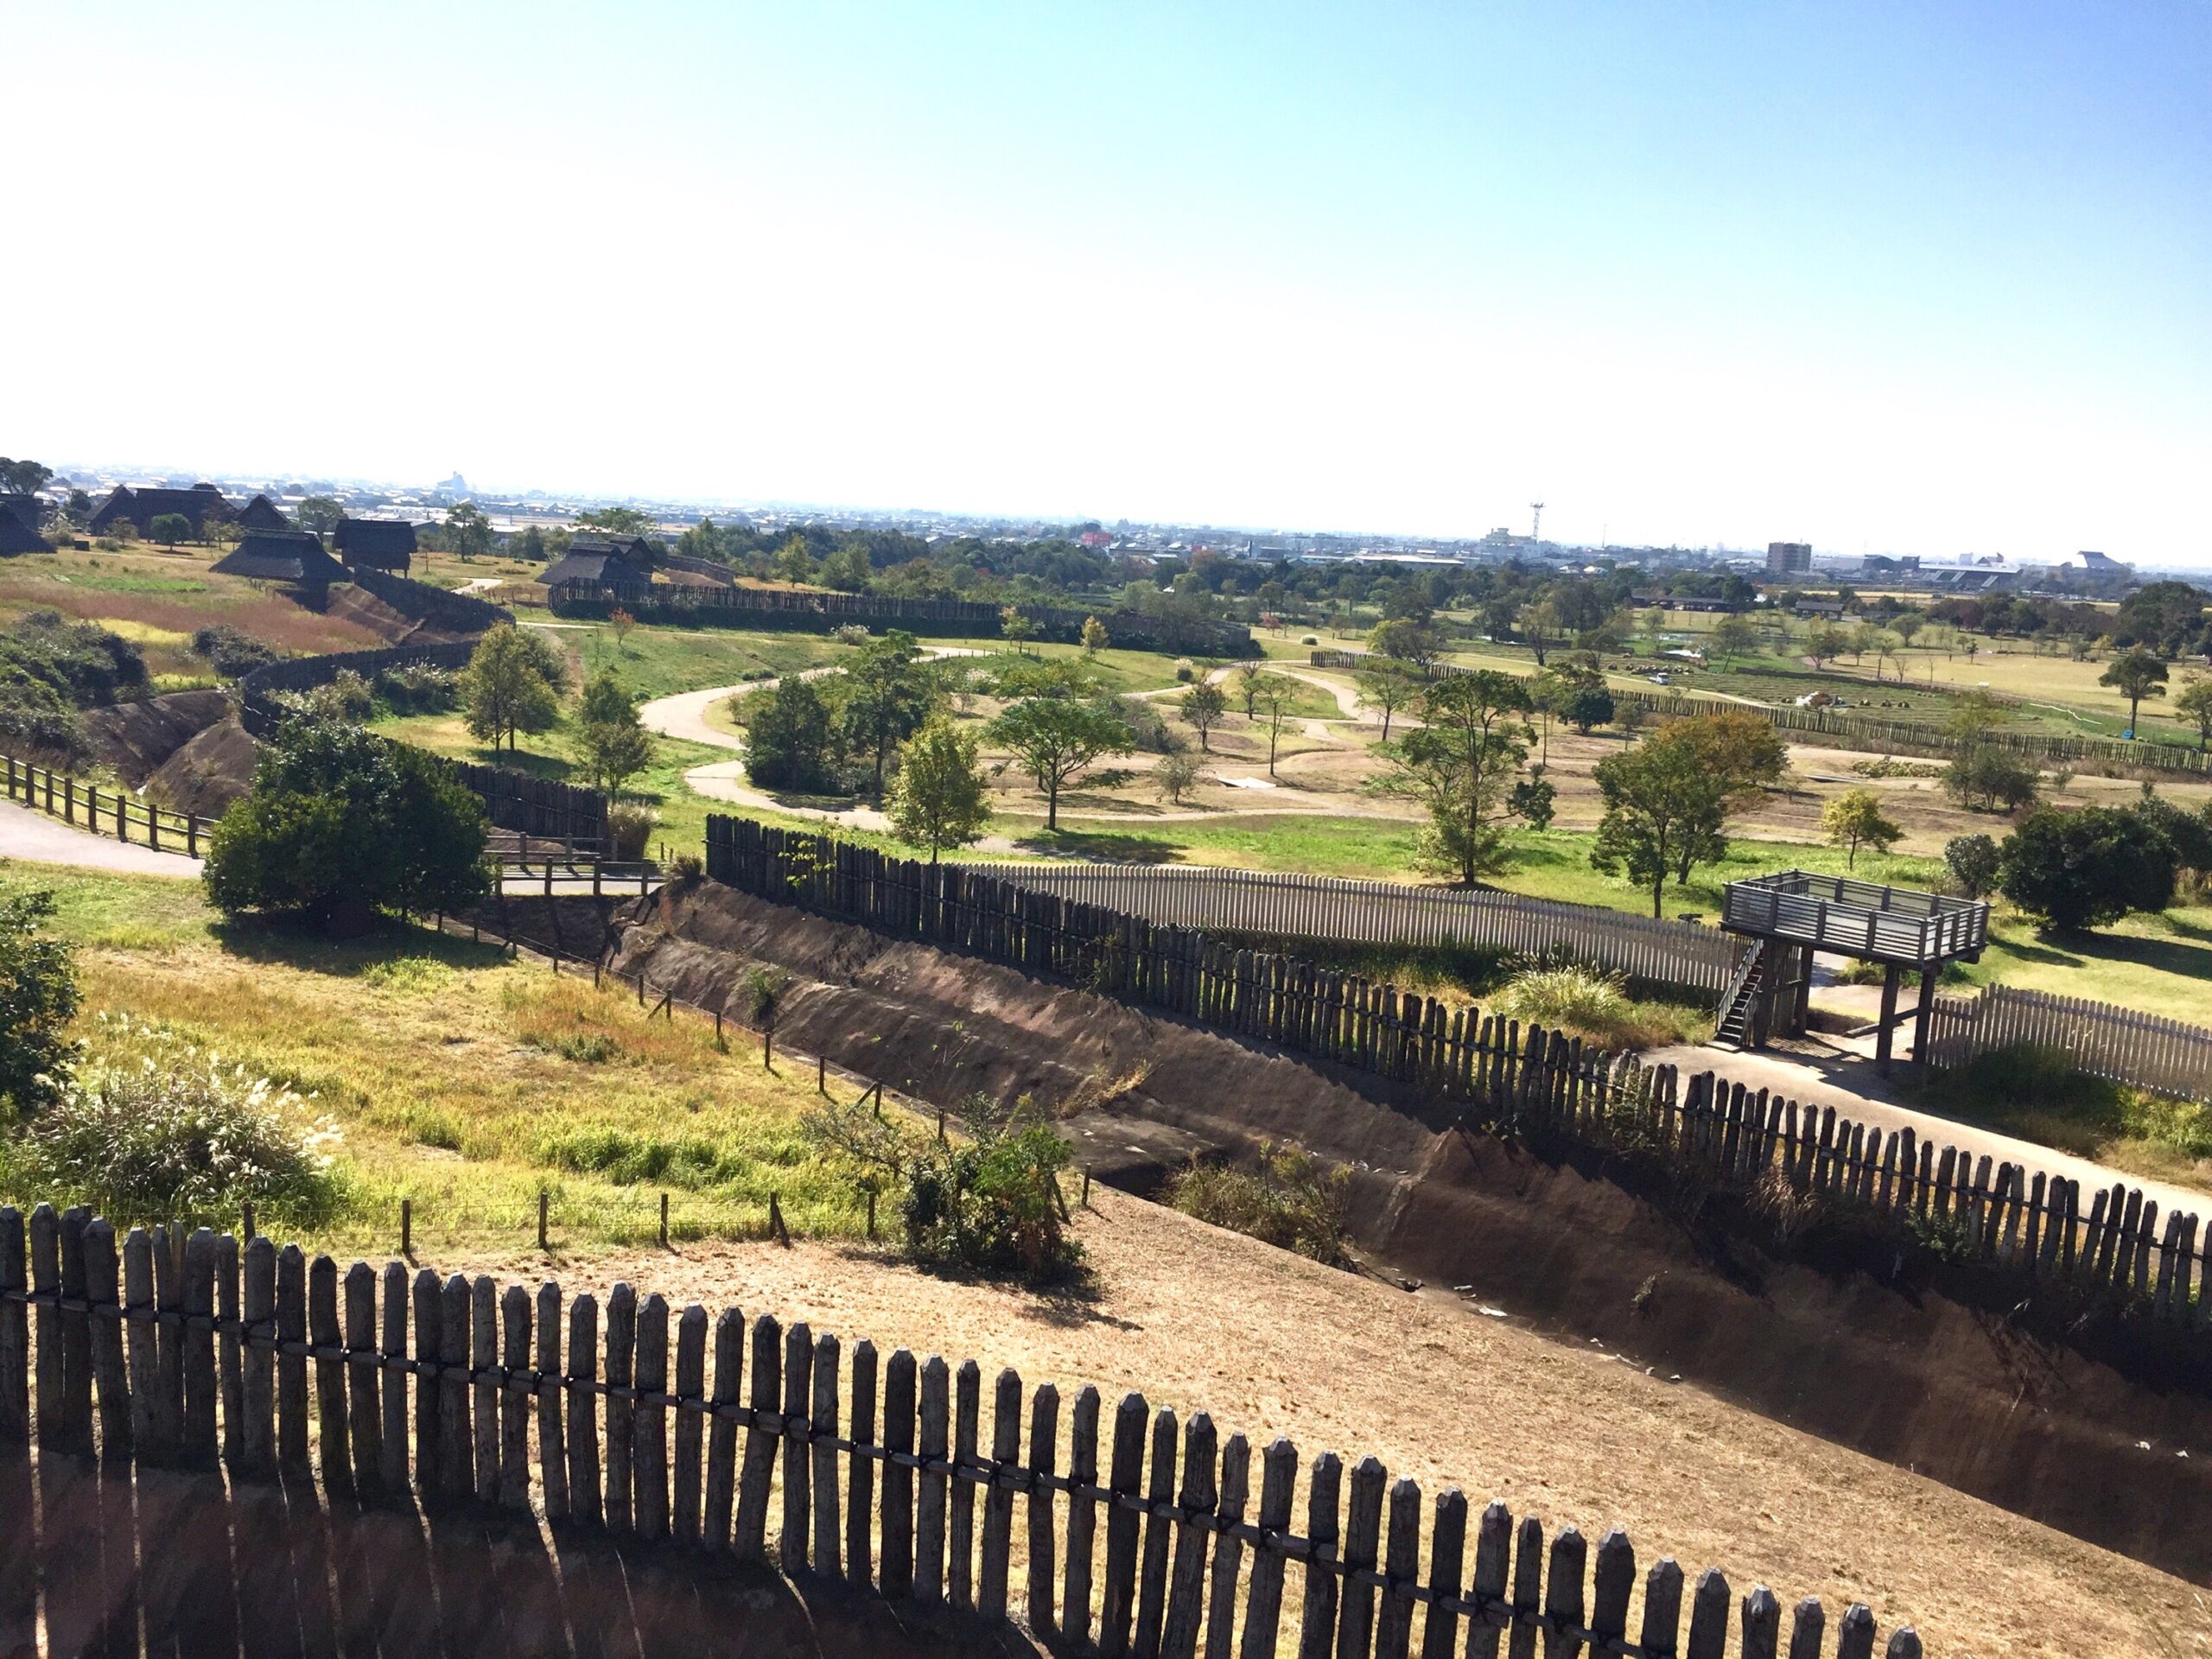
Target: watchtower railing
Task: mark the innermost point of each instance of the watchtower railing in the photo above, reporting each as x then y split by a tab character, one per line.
1857	918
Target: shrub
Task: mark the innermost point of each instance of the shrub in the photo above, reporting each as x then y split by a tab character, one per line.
988	1203
231	653
1148	732
1288	1200
81	663
338	816
1579	999
852	633
630	827
1987	780
1972	860
347	697
148	1127
35	720
2077	869
38	998
419	689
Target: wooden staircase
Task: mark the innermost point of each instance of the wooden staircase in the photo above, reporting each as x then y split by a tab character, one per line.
1742	997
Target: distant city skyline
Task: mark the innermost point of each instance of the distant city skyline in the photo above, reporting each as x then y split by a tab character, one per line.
1883	278
912	517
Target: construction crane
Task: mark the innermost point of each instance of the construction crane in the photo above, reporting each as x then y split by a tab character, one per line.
1536	528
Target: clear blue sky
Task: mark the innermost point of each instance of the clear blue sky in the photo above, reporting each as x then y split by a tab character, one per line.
1927	277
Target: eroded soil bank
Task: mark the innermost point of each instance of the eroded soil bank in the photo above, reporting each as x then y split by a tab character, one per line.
1928	1372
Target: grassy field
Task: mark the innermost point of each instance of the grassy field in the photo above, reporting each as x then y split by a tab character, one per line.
158	597
660	662
462	1080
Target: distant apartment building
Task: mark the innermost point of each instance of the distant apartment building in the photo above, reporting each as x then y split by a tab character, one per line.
1790	558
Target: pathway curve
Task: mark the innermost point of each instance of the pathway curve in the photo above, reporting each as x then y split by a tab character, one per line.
685	715
38	839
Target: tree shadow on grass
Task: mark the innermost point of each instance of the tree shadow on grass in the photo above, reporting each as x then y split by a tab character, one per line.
1103	845
296	943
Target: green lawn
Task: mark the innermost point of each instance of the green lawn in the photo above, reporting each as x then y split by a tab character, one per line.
657	661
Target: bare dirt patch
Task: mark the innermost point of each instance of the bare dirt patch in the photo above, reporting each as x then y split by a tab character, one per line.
1271	1343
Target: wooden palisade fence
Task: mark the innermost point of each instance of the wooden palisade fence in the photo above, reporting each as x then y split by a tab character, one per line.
2106	1041
1873	731
1342	911
111	812
1486	1072
1146	1534
1341	1018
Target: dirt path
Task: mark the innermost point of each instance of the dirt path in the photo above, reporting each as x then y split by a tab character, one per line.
38	839
1849	1083
1271	1343
685	715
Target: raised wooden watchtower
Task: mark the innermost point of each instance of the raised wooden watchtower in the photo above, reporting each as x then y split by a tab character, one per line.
1792	915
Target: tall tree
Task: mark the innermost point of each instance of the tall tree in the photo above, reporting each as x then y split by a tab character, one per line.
1274	698
938	800
623	521
2135	675
319	514
888	697
2193	702
1461	762
790	740
1055	738
611	740
468	532
1664	812
1854	819
25	477
512	684
1202	707
1383	688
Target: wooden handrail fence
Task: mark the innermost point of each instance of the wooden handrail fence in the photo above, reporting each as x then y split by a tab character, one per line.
2119	1045
1342	911
116	811
1870	732
177	1348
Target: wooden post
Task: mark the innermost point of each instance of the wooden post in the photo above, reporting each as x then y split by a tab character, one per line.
258	1362
663	1221
759	1465
859	1501
821	1069
552	1445
543	1202
407	1228
1891	974
621	1408
1923	1016
583	1418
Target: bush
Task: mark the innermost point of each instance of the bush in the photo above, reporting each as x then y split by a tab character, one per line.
1147	732
791	739
1289	1200
1987	780
630	827
231	654
38	998
84	664
852	633
1567	997
989	1203
1972	860
337	815
419	689
37	721
148	1127
347	697
2077	869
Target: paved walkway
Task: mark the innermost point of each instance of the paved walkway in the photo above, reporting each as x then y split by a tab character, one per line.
1829	1073
38	839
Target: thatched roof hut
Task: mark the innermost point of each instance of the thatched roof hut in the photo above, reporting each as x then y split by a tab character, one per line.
140	507
375	543
262	513
17	537
610	564
295	557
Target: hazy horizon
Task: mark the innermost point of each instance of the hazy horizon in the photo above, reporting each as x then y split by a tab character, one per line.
1880	277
